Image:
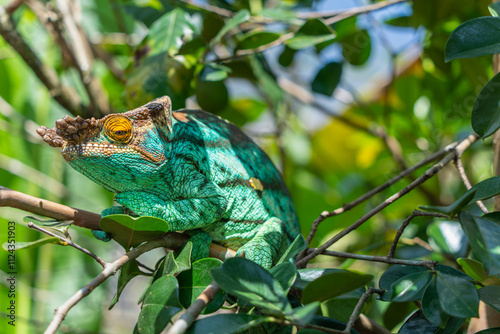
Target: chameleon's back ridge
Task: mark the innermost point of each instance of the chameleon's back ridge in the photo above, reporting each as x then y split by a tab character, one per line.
196	170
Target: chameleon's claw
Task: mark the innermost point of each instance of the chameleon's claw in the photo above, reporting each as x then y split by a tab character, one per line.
101	235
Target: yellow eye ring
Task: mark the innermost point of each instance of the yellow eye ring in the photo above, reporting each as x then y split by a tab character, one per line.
118	128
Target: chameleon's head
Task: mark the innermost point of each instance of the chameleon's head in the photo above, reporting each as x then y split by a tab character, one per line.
121	152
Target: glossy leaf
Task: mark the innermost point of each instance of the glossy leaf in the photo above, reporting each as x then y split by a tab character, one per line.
303	315
483	235
340	309
192	283
473	268
495	330
240	17
333	285
161	302
214	72
485	117
452	272
494	8
285	273
226	324
169	32
447	237
396	313
453	208
131	231
311	33
410	287
329	323
127	272
298	245
476	37
305	276
32	244
393	274
247	280
356	47
417	323
327	79
257	39
431	307
491	296
457	296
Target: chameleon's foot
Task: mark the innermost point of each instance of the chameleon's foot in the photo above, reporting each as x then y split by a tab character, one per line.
114	210
101	235
263	248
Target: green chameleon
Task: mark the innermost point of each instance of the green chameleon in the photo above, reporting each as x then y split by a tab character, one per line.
196	171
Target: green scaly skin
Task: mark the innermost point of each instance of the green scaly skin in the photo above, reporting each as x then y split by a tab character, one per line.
195	170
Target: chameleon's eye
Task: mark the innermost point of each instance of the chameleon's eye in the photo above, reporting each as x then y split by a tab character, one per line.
118	128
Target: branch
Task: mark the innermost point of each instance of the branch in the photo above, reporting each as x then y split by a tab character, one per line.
362	10
463	176
18	200
66	96
69	243
109	270
372	258
461	147
209	8
193	311
357	310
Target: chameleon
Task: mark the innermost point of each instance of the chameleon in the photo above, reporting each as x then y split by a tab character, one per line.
197	171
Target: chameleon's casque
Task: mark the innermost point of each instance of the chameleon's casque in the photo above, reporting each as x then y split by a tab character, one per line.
195	170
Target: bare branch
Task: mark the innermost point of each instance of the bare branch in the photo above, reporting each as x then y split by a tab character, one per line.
69	243
357	310
66	96
109	270
362	10
463	176
461	147
372	258
209	8
16	199
406	222
193	311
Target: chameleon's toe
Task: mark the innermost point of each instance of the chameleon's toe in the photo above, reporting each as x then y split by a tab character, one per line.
101	235
114	210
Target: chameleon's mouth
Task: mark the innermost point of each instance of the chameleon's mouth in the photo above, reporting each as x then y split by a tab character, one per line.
82	150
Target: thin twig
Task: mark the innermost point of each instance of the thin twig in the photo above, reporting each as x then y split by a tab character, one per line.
70	243
406	222
372	258
209	8
66	96
109	270
362	10
357	310
193	311
463	176
461	147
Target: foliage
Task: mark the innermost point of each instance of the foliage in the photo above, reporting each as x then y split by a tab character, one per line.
239	60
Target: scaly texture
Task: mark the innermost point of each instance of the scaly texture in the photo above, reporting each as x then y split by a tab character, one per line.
195	170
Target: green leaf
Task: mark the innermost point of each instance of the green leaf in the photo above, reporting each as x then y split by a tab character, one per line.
452	271
46	222
473	268
214	72
297	246
356	47
494	8
327	79
457	296
285	273
212	96
240	17
192	283
476	37
127	272
183	256
226	324
483	235
431	307
303	315
311	33
250	282
410	287
254	40
491	296
160	304
452	209
322	288
305	276
396	313
131	231
340	309
393	274
447	237
169	32
485	116
417	323
32	244
280	14
328	323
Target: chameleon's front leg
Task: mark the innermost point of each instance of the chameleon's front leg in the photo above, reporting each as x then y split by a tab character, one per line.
187	214
266	244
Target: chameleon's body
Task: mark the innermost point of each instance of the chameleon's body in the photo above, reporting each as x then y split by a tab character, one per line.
193	169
